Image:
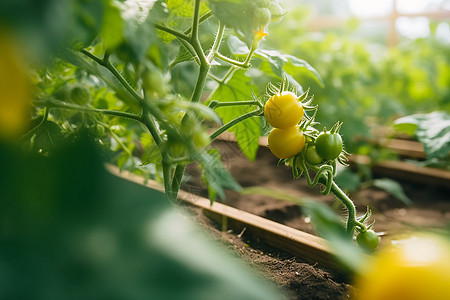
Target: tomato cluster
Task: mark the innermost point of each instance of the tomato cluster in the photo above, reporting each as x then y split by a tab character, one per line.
284	111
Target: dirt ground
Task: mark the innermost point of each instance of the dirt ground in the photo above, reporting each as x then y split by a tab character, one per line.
300	280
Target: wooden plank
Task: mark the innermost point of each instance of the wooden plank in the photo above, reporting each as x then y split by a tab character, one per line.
406	171
394	169
306	246
406	148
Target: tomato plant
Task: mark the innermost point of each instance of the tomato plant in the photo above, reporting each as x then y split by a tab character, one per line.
156	82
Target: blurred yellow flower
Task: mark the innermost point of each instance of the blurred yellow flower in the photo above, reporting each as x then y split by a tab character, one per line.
14	90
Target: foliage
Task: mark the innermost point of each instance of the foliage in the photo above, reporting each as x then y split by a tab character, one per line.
366	85
133	74
433	131
75	231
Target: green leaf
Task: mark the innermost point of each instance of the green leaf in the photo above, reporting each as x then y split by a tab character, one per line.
183	55
247	132
47	136
151	154
348	180
138	30
215	175
432	130
284	63
330	226
112	28
393	188
184	8
232	13
237	46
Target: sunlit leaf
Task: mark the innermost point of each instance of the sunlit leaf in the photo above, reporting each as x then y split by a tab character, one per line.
393	188
214	174
247	132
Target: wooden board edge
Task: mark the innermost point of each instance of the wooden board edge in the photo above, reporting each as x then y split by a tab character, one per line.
295	242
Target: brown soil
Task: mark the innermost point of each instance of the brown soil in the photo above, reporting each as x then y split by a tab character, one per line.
298	278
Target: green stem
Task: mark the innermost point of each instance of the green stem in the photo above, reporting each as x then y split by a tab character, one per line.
50	103
203	18
231	61
167	174
149	122
216	44
228	125
228	74
352	222
191	50
107	64
216	79
173	32
200	84
216	104
44	119
122	145
177	177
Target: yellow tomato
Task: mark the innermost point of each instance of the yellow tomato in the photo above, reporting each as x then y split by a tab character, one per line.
14	91
416	269
287	142
283	110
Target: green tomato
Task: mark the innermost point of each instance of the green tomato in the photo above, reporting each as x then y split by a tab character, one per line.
154	82
329	145
367	240
261	17
262	3
276	11
201	139
80	95
312	156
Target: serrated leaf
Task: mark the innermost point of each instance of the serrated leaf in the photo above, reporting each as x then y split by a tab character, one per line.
215	175
184	8
247	132
284	63
347	180
138	19
151	154
47	136
183	55
237	46
393	188
432	130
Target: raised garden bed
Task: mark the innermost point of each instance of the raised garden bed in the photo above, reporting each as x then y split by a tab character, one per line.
286	250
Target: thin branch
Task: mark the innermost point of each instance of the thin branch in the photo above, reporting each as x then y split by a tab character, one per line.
203	18
173	32
230	124
53	103
217	41
236	63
